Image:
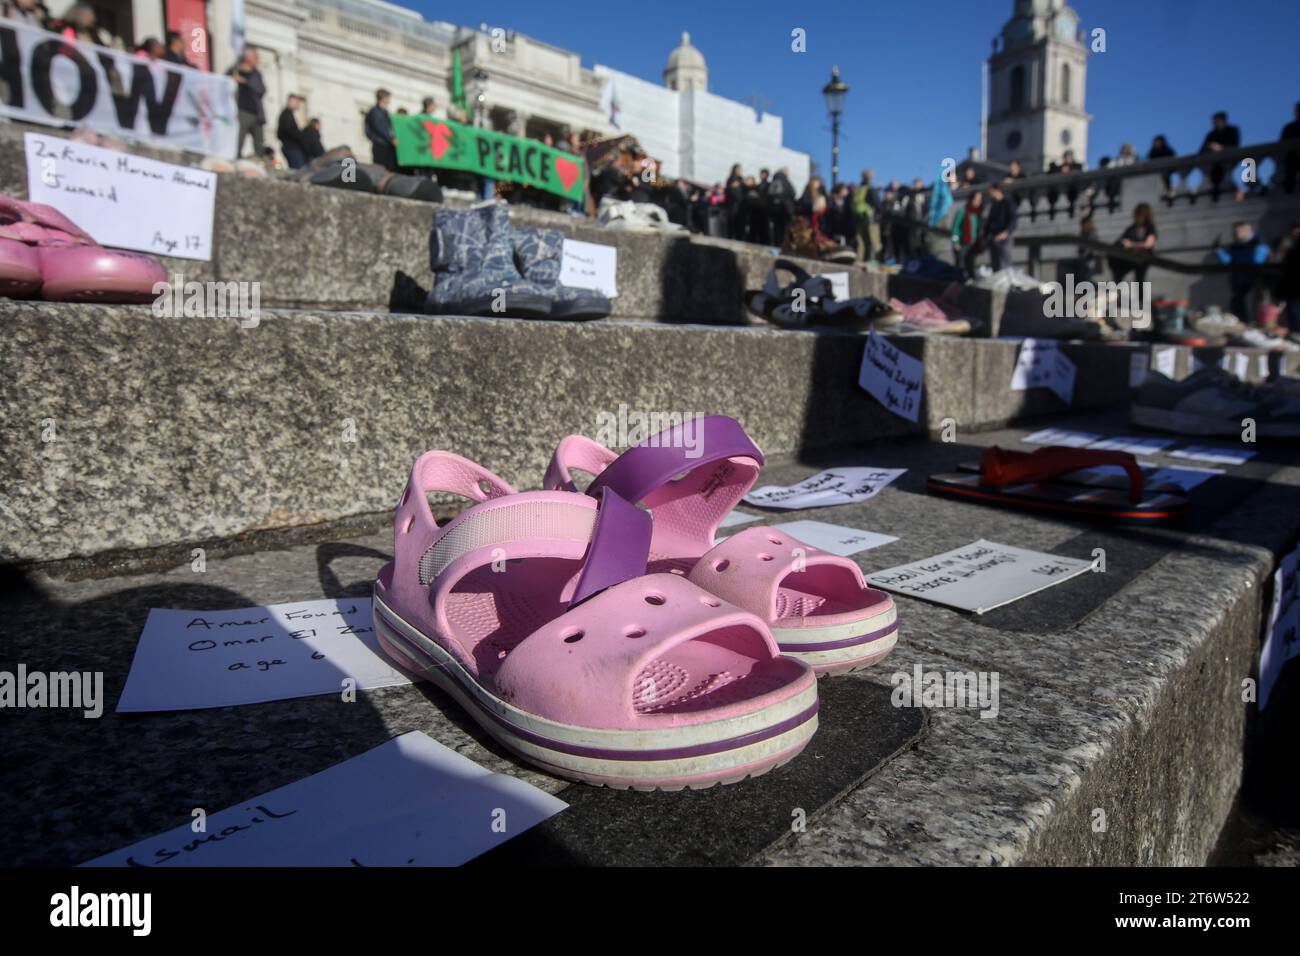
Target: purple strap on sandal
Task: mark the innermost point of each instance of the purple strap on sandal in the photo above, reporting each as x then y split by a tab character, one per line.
657	460
620	547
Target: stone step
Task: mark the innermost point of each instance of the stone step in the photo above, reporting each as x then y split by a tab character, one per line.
1117	737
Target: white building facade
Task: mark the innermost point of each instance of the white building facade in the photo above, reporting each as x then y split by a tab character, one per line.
697	135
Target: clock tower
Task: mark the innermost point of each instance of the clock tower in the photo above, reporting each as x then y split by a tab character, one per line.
1037	80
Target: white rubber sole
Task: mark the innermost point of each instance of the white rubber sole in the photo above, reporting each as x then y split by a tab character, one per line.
697	755
860	643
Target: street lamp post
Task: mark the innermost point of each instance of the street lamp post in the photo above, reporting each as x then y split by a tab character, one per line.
835	91
480	81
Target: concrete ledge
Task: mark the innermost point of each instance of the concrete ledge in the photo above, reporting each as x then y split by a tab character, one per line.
176	430
330	249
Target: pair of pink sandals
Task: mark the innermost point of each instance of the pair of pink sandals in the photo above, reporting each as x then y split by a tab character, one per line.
43	252
617	645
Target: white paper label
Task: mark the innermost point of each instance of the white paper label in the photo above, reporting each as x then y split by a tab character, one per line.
123	200
1061	436
979	577
187	660
834	538
1283	640
892	377
1041	364
1214	454
1134	445
590	265
835	486
408	802
1165	360
839	285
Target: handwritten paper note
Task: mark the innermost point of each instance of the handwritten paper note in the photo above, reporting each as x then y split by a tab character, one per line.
590	265
1283	640
1061	436
408	802
1165	361
835	486
1041	364
123	200
980	576
839	285
834	538
1134	445
892	377
187	660
1214	454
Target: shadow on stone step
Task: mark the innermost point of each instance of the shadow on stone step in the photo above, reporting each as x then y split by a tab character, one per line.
407	296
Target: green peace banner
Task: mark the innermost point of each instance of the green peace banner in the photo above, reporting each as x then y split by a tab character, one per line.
426	141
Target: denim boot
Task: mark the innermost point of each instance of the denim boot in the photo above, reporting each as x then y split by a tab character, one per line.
471	256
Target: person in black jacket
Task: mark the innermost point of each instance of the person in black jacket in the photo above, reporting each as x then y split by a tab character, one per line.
1000	226
248	101
780	198
379	130
1220	137
290	136
175	49
312	145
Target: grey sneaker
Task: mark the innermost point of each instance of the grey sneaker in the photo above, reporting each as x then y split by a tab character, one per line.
539	254
1212	402
471	254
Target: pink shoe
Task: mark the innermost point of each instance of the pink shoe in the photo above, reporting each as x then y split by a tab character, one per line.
817	604
69	265
535	613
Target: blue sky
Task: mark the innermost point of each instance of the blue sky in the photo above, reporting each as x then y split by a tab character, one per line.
914	65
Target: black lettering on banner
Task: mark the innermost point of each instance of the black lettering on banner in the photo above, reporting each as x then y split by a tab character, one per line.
11	69
529	154
127	104
484	147
516	161
545	175
498	162
43	61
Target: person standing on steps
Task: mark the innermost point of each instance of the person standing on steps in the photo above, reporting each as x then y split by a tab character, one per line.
1000	226
248	101
379	130
292	144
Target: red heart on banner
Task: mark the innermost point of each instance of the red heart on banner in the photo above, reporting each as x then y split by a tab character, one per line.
439	138
567	170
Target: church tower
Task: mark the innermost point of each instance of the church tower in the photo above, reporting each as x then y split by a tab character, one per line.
1037	80
686	69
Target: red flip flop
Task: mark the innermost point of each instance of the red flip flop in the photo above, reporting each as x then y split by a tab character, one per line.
1029	481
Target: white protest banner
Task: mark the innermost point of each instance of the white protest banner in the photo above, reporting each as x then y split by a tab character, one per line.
188	660
1043	365
590	265
979	577
125	201
836	486
892	377
46	78
834	538
408	802
1283	640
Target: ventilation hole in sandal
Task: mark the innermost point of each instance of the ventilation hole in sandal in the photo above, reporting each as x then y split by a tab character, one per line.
409	521
655	598
634	632
763	556
774	540
710	601
485	486
721	565
572	636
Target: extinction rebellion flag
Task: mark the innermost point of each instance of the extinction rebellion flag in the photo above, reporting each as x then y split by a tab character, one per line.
425	141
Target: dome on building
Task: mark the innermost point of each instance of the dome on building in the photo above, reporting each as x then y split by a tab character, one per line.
686	69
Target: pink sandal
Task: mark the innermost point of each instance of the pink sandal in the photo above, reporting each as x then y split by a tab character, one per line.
43	251
533	610
817	604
